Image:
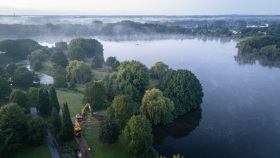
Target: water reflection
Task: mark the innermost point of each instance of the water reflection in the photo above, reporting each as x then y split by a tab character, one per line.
181	127
252	60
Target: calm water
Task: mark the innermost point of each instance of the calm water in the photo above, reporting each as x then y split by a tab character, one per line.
239	116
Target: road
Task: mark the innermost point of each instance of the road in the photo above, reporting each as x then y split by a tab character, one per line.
49	139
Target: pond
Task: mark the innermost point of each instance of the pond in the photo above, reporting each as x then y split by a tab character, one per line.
239	116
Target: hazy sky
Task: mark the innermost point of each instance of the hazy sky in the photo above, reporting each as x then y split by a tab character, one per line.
139	7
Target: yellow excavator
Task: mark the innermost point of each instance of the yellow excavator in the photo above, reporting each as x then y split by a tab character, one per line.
83	115
77	129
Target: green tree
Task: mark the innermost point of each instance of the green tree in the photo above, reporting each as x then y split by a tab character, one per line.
96	62
80	48
11	69
13	128
36	65
78	71
33	96
61	46
67	126
95	94
43	103
2	72
111	86
184	89
110	60
109	133
59	58
137	135
25	78
133	92
53	100
72	85
5	87
37	131
134	73
60	71
60	81
56	125
159	70
115	65
155	106
19	97
35	59
122	109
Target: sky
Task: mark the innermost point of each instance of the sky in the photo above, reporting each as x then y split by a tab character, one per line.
139	7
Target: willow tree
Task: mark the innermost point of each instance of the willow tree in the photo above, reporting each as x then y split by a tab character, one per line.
78	71
155	106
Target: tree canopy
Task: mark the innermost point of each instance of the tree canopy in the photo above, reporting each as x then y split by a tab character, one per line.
137	135
10	69
109	133
78	71
95	94
25	78
122	109
184	89
159	70
37	131
110	60
53	100
96	62
13	127
59	58
33	96
61	46
19	97
134	73
81	48
5	87
155	106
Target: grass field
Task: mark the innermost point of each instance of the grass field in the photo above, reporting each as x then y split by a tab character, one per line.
73	99
98	150
32	152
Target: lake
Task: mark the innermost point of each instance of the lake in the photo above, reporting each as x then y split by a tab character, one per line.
239	116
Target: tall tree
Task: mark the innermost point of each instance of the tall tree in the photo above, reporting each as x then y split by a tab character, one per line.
13	128
96	62
56	125
33	96
37	131
19	97
184	89
46	107
53	100
111	85
67	126
78	71
155	106
134	73
95	94
122	109
43	103
137	135
2	72
61	46
5	87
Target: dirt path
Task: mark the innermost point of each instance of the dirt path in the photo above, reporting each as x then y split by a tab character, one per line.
49	139
82	144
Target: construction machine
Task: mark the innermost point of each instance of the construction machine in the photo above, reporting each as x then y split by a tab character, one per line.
83	115
77	129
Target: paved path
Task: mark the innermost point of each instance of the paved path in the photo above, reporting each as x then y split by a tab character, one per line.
49	139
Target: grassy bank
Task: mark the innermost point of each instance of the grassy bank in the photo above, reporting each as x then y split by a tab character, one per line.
98	150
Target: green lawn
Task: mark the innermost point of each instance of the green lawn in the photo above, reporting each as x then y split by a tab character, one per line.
32	152
98	150
73	99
